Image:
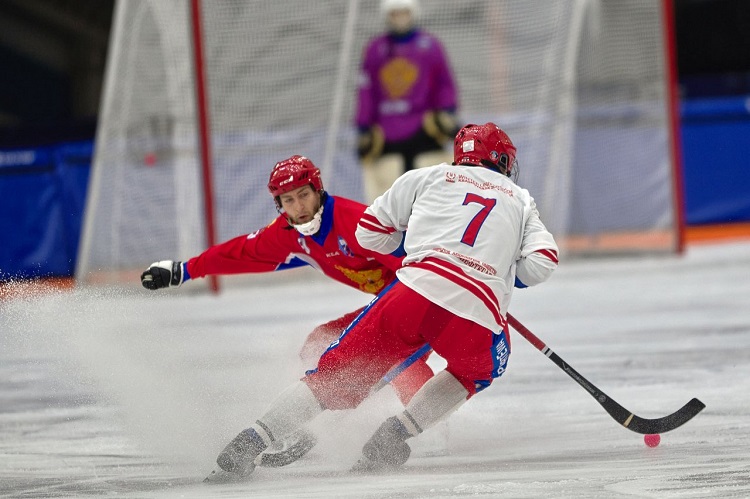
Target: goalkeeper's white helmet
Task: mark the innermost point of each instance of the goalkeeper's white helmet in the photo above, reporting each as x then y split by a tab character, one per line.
388	5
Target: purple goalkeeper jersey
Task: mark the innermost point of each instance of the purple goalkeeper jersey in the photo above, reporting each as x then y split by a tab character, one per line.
401	79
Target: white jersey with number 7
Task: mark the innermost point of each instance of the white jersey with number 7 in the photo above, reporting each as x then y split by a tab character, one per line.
472	235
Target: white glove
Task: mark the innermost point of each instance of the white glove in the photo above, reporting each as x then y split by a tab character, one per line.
162	275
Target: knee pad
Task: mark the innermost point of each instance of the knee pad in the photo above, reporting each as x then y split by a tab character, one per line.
379	175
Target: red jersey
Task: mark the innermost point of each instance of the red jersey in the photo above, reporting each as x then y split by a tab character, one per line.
334	250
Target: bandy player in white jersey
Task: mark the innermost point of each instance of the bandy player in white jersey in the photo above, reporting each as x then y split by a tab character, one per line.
473	235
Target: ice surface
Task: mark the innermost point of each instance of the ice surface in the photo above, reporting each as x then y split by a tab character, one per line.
127	393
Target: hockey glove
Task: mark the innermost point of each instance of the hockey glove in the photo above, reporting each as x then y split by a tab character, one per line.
370	144
440	125
162	275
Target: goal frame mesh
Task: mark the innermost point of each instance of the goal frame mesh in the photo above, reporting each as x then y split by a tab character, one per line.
585	88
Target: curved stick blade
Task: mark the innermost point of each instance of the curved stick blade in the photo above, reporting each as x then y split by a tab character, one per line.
667	423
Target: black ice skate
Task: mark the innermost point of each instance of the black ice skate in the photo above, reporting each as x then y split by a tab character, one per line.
236	460
386	450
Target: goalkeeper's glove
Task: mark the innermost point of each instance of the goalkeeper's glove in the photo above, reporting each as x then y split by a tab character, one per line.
440	125
370	144
163	275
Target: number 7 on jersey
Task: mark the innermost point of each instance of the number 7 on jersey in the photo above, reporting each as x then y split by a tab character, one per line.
472	230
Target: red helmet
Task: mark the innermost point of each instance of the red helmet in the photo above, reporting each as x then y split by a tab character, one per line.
484	145
292	173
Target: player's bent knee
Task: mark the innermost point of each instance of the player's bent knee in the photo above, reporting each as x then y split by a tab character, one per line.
335	394
317	342
477	373
471	384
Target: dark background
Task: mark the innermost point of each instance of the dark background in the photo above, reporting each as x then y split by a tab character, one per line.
53	53
52	58
713	47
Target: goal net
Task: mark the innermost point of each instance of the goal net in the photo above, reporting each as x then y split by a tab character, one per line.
581	87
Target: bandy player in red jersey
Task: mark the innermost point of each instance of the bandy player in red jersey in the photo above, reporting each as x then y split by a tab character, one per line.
473	235
313	228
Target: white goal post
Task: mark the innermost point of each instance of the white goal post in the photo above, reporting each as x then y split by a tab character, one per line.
585	89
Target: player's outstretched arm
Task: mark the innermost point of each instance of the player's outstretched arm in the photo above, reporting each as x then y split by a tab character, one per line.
163	274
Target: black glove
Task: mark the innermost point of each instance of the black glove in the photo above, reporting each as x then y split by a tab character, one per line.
162	275
370	144
440	125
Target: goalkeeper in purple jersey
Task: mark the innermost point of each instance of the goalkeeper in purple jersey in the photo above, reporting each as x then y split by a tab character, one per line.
406	100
